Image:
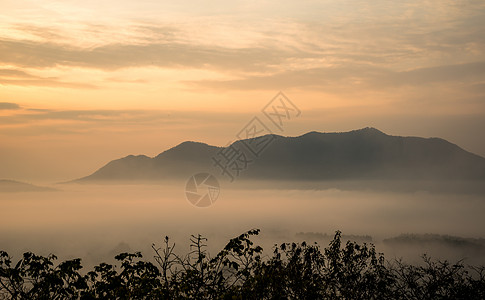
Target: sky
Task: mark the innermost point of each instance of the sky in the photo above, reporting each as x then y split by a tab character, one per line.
85	82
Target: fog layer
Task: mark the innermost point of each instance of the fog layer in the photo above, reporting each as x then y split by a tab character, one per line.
96	222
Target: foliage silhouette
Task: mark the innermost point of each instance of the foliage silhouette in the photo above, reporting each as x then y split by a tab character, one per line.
240	271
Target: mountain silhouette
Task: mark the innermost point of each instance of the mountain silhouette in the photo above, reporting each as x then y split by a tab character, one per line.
360	154
12	186
180	161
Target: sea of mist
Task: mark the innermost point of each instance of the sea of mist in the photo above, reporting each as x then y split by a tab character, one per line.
96	222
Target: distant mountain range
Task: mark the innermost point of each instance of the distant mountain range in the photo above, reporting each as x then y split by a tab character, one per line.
12	186
356	155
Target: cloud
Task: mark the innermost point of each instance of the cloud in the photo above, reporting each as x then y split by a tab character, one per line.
35	121
102	116
22	78
14	73
38	31
9	106
48	121
357	76
470	72
31	54
34	115
329	47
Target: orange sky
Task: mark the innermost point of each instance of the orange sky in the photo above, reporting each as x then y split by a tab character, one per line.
82	83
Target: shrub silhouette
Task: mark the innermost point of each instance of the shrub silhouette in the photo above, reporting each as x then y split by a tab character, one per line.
240	271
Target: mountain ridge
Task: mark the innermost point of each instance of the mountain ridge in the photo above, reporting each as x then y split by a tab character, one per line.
366	153
14	186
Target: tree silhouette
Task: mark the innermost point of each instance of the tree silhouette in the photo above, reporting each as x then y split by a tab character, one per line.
240	271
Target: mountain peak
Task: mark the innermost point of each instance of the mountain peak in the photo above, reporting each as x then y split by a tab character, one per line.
190	144
186	149
368	130
365	130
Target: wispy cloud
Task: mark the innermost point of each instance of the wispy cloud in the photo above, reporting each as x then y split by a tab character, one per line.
356	76
315	48
9	106
39	121
30	54
326	46
22	78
